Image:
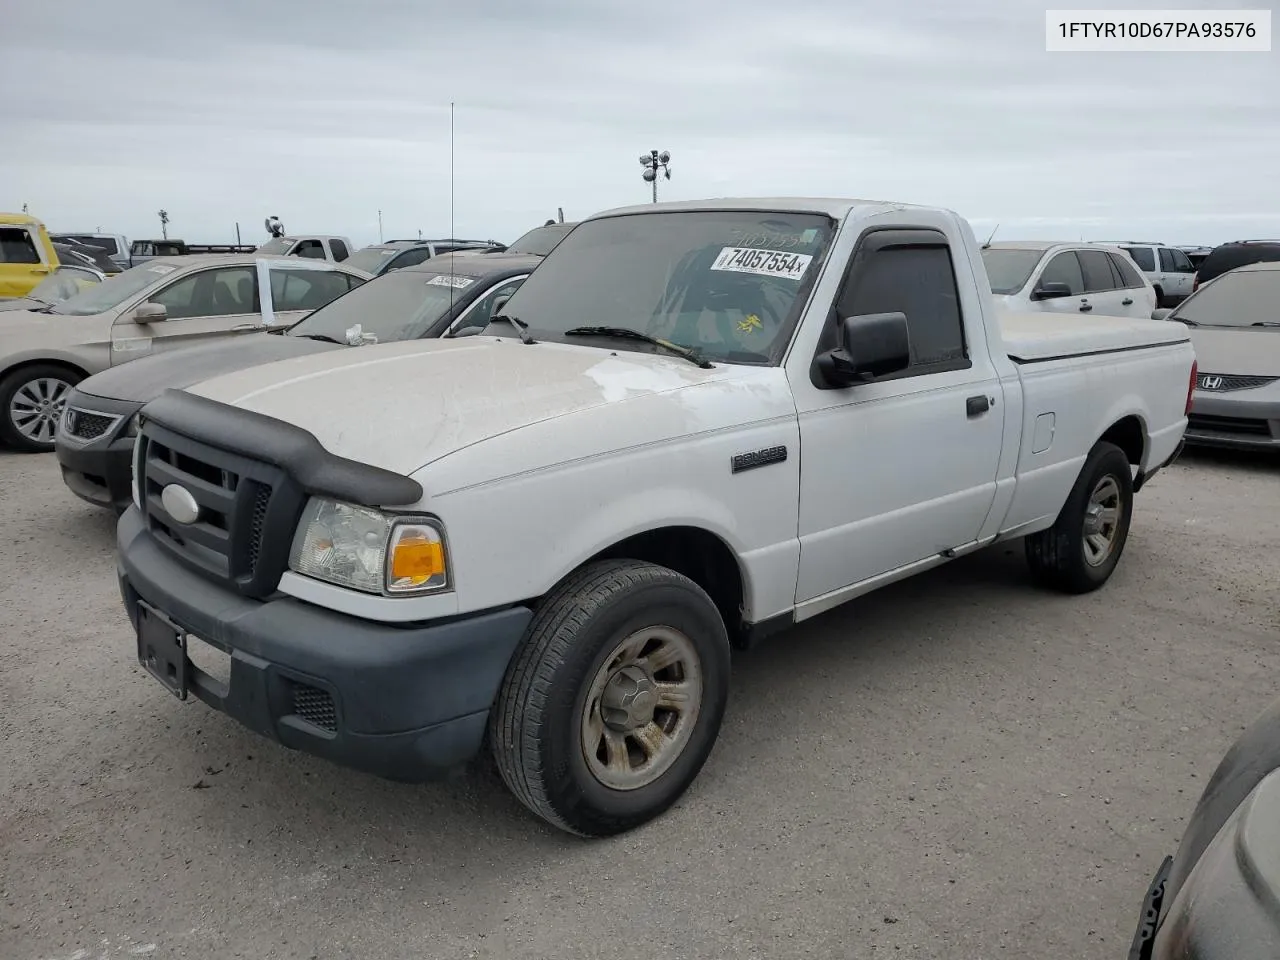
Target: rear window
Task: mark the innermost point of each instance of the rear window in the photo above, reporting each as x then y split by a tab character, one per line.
1229	256
1144	257
103	243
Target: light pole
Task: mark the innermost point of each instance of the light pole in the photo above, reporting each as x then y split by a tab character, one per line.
653	161
164	223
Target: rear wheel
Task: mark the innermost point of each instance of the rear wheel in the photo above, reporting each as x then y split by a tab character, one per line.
1159	297
1080	551
31	402
614	700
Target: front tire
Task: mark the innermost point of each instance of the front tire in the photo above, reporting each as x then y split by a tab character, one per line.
1080	551
613	702
31	402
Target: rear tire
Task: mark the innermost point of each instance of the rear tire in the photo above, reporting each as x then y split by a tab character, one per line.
613	701
1159	297
31	402
1080	551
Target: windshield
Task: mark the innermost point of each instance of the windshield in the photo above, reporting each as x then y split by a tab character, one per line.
64	283
371	259
277	245
539	241
395	306
1009	269
110	294
1234	300
729	283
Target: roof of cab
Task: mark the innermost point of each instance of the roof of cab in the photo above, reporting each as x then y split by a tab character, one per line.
19	220
836	207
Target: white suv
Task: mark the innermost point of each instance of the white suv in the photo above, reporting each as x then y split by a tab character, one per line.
1044	277
1168	268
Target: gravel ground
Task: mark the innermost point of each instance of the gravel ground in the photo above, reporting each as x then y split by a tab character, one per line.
957	766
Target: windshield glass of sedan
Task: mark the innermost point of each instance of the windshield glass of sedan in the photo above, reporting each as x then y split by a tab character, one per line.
729	283
1235	300
370	259
64	283
400	305
1009	269
111	293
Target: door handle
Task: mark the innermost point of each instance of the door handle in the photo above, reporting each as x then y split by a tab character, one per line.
1126	301
977	406
1086	307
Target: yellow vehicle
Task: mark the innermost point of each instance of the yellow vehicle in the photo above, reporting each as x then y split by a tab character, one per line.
26	254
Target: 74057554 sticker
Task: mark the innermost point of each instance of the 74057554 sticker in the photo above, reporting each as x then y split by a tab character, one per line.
456	282
764	263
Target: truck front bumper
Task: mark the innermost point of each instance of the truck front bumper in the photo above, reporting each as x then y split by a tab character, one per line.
408	703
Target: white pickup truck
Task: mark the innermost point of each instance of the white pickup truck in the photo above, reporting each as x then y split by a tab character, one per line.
694	425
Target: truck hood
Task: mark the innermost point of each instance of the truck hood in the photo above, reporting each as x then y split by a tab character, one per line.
400	406
146	378
1244	351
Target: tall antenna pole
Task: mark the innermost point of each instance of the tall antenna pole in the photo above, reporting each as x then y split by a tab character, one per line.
379	226
452	231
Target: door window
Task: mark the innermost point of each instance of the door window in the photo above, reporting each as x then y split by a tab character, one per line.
210	293
1181	262
410	258
1064	268
1143	257
478	314
1098	276
311	249
920	282
1130	278
306	289
1167	261
16	246
339	250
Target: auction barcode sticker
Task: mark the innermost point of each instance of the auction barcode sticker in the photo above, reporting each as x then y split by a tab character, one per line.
765	263
1178	31
455	282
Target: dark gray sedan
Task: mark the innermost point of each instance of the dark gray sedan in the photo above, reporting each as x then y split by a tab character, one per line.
1235	327
95	441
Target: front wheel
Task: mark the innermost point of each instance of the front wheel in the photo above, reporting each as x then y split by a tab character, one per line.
613	702
31	402
1080	551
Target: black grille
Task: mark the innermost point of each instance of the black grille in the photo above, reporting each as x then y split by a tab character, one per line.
315	706
247	510
1222	382
1257	428
87	425
257	522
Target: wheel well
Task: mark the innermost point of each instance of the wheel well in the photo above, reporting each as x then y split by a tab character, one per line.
701	556
1127	434
81	373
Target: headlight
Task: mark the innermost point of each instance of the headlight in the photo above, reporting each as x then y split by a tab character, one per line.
370	551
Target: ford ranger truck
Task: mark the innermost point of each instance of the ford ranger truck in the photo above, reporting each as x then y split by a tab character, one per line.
694	425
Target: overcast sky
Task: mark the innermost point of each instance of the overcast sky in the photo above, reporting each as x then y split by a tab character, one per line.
323	112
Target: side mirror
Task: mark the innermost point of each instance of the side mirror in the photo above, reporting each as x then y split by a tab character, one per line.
498	306
1050	291
1161	314
872	345
150	313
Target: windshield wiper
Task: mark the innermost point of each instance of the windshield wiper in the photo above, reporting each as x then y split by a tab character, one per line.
1189	323
522	328
692	354
317	336
1266	323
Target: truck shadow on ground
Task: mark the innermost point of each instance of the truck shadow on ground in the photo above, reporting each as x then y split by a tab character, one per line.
1259	462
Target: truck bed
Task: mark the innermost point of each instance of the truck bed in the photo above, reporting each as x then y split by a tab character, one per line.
1033	337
